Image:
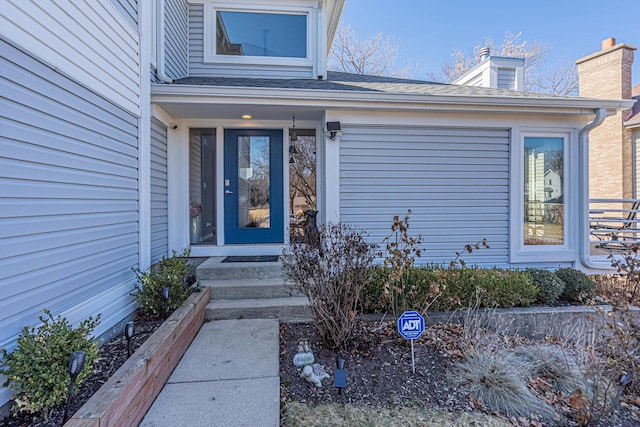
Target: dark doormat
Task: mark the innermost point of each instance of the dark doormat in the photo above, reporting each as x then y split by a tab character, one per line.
258	258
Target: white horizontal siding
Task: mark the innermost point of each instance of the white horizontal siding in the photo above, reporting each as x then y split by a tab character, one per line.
454	180
198	68
506	78
176	38
159	207
68	198
128	9
90	40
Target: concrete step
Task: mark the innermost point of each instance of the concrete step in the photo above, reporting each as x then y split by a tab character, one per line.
215	269
249	289
288	310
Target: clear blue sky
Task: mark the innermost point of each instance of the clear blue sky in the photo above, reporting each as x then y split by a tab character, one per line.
428	31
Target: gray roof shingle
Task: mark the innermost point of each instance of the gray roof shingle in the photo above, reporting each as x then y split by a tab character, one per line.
338	81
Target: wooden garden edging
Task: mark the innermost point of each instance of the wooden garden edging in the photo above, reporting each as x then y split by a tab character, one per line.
125	398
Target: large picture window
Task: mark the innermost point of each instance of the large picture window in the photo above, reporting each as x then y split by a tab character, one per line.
544	204
261	34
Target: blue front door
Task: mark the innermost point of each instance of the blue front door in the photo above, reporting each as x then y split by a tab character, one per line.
253	186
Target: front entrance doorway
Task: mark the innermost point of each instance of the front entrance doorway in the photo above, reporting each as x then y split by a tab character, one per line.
253	186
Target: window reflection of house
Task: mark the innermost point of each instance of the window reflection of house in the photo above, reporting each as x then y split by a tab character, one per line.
553	185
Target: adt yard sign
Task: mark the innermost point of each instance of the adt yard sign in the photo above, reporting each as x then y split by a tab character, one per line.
411	325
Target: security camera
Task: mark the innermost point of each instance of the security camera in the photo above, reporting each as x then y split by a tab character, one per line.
173	126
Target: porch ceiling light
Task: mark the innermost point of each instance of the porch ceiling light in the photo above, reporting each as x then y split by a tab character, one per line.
246	116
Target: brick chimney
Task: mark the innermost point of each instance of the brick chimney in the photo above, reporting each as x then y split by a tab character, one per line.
607	74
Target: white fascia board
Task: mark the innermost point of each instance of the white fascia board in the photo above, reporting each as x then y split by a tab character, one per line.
479	69
333	13
379	101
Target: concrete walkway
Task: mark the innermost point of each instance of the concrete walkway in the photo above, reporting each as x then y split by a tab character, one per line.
229	376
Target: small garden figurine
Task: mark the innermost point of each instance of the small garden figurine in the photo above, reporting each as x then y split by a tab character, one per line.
314	374
305	355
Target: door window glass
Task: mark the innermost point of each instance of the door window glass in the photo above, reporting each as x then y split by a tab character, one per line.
254	204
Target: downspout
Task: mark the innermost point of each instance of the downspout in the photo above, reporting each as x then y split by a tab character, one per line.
583	144
160	71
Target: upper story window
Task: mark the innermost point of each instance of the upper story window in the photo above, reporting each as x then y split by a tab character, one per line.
261	34
251	34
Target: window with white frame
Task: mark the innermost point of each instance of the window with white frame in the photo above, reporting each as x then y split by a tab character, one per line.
543	189
277	35
544	196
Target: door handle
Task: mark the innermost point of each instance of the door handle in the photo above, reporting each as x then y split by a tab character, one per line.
227	192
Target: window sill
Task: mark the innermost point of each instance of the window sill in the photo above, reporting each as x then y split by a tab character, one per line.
543	254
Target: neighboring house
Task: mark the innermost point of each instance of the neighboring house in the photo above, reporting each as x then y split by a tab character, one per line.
552	185
613	157
133	128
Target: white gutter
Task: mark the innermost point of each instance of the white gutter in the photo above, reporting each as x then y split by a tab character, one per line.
325	99
583	146
160	70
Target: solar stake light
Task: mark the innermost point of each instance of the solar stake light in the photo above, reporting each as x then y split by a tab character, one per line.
76	364
128	334
340	375
623	381
165	297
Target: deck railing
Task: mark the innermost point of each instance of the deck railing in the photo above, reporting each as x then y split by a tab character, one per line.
614	223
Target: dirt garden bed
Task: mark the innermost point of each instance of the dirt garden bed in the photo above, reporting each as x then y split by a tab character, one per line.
380	381
122	388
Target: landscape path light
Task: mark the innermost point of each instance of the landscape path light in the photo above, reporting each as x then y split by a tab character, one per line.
76	365
128	333
340	375
165	297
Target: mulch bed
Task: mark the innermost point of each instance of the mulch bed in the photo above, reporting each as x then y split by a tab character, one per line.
379	373
112	355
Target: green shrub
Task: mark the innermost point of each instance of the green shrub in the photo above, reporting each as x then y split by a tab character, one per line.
550	286
172	273
37	369
420	287
577	285
497	288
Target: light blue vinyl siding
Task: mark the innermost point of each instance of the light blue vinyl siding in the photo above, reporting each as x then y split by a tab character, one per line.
128	9
176	38
68	194
454	180
159	209
198	68
507	78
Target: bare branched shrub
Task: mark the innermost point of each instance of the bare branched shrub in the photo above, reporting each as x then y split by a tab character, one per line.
401	251
332	282
628	264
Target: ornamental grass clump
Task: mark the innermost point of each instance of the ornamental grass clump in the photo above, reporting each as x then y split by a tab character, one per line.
554	365
495	379
37	369
172	273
